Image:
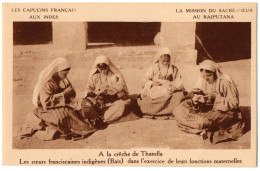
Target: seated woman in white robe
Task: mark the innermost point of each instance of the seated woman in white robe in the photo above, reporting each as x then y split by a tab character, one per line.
162	88
106	92
53	98
213	106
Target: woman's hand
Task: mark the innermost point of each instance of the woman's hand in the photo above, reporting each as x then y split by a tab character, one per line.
111	91
156	83
198	98
210	98
68	91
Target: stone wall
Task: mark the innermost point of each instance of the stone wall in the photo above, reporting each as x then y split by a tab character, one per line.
180	39
69	35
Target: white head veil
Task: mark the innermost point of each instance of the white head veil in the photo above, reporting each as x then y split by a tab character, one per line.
59	64
212	66
160	52
103	59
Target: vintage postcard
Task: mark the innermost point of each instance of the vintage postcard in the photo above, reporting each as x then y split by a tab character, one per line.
130	84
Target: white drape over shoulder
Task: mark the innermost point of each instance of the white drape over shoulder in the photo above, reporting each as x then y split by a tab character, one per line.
59	64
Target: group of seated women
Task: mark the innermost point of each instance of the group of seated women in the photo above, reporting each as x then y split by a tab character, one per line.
210	109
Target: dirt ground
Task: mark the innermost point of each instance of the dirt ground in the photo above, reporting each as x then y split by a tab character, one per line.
133	62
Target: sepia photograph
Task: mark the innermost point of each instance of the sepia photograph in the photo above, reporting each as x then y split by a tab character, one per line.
130	84
121	85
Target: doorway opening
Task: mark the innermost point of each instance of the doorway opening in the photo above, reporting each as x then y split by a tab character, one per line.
224	41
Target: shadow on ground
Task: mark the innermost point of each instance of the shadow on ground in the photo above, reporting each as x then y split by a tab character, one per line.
246	115
132	131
